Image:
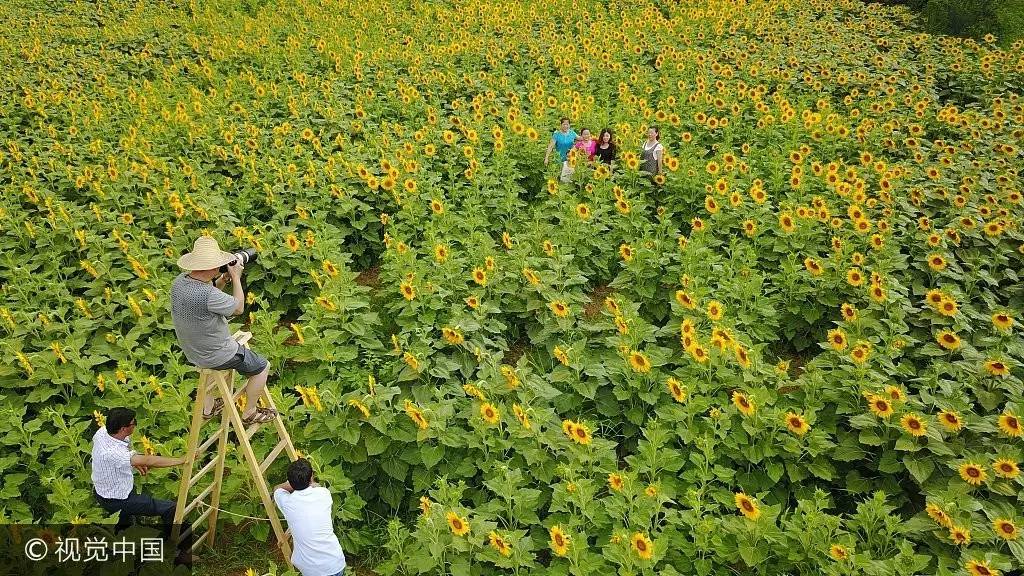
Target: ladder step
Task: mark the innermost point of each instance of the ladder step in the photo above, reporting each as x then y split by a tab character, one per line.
202	517
199	541
192	505
209	441
202	472
272	456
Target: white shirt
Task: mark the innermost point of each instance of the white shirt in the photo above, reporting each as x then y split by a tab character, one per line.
112	466
316	550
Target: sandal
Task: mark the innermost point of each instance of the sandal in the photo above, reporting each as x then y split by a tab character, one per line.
260	416
218	405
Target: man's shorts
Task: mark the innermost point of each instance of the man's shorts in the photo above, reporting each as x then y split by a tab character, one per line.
245	362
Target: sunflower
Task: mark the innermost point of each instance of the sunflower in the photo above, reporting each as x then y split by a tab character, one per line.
996	367
972	473
559	541
436	206
895	393
838	552
960	536
813	266
877	294
744	404
742	356
747	506
948	307
531	276
440	253
936	513
561	355
480	276
913	425
292	242
980	568
749	227
880	406
860	353
408	290
698	353
936	262
581	434
472	302
948	340
677	390
950	420
1010	424
425	505
489	413
934	297
452	335
415	415
521	415
1006	468
458	525
837	339
715	310
639	362
626	252
1002	321
685	300
621	325
849	312
854	277
616	482
1005	529
786	222
583	211
499	543
642	545
795	423
559	308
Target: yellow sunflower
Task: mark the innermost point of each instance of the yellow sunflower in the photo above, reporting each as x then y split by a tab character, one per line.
973	474
642	545
458	525
747	506
559	541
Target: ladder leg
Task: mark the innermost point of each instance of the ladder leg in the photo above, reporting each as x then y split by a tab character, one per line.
257	475
218	474
190	454
282	432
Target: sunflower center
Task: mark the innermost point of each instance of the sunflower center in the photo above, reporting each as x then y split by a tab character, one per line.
973	472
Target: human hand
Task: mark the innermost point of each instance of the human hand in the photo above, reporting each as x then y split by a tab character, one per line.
235	270
142	468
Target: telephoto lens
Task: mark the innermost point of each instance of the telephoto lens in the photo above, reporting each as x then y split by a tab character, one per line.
244	256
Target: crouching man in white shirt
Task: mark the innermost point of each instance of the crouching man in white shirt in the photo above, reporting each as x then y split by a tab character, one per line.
307	507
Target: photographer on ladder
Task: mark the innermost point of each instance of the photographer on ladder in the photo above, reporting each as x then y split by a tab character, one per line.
200	310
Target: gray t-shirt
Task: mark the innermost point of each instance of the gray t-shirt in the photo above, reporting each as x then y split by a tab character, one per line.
200	311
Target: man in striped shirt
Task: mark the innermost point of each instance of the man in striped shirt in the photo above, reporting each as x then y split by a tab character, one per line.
112	479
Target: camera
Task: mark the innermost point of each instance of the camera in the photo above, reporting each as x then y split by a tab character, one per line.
245	256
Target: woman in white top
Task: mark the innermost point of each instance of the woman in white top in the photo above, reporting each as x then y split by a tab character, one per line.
652	153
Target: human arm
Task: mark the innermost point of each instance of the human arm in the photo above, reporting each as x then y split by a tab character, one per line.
660	155
224	305
143	462
286	486
547	154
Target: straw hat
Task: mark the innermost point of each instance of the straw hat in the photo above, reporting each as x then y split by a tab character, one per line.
205	255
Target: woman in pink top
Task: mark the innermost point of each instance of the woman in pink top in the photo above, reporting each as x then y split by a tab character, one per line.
586	143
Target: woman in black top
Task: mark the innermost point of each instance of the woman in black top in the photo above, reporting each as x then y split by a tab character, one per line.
605	151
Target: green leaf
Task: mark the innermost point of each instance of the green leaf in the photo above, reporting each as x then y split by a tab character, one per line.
921	469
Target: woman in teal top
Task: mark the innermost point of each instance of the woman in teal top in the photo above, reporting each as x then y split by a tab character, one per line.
562	140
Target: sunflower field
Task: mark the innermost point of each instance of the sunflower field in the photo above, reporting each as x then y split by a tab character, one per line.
798	352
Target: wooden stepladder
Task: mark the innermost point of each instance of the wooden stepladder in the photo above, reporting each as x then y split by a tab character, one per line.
221	383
